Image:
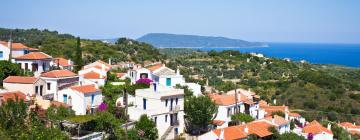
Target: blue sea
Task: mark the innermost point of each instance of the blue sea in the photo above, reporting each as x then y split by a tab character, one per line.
339	54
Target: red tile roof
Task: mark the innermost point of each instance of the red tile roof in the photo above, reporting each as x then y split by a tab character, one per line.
227	99
86	89
58	74
102	62
15	46
270	109
20	79
93	75
62	62
315	128
237	132
120	75
155	67
34	56
294	114
349	125
218	122
13	95
277	120
58	104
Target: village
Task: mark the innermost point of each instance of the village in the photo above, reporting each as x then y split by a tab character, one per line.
55	84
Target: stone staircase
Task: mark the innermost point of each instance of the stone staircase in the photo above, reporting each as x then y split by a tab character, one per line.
167	132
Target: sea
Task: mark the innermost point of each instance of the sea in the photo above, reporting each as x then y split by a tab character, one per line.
339	54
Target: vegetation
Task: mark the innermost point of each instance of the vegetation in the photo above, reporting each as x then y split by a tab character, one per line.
199	113
319	90
242	117
78	55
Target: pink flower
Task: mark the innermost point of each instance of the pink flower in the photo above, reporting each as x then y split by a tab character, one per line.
144	81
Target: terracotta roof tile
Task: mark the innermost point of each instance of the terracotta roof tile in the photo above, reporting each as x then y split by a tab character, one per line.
13	95
120	75
102	62
270	109
34	56
20	79
62	62
58	74
58	104
237	132
85	89
15	46
315	128
294	114
93	75
277	120
227	99
349	125
155	67
218	122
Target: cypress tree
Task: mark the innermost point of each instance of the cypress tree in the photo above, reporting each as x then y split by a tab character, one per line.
78	56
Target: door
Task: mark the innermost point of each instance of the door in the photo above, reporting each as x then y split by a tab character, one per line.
92	99
168	81
171	120
41	90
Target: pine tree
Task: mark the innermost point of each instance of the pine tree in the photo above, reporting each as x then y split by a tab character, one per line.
78	56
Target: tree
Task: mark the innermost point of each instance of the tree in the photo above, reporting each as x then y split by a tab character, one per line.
107	122
78	55
199	113
242	117
278	113
252	137
7	68
58	113
292	124
290	136
146	128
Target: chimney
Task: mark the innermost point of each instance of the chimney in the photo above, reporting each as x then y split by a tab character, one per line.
246	130
103	67
354	123
110	61
329	126
222	134
286	115
69	62
273	119
239	97
177	72
274	101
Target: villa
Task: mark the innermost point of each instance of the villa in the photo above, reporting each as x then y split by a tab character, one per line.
57	80
165	105
18	49
14	95
29	85
36	62
352	128
316	131
83	99
62	63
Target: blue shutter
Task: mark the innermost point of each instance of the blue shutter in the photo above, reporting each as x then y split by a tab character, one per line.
168	81
65	98
144	104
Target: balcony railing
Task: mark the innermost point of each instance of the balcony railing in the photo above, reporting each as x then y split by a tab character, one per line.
174	109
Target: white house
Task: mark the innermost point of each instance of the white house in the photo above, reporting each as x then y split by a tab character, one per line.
229	105
83	99
94	73
317	131
350	127
165	105
57	80
136	74
62	63
282	124
28	85
36	62
18	49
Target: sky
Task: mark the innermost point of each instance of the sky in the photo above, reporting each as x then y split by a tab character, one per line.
315	21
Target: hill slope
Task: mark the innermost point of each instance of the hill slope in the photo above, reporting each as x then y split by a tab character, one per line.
163	40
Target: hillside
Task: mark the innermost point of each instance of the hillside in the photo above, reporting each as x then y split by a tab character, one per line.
315	91
163	40
63	45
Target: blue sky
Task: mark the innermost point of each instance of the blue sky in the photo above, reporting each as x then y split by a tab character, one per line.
329	21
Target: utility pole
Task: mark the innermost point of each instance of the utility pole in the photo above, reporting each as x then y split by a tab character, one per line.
10	46
126	112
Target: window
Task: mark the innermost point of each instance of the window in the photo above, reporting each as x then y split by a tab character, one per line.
144	104
65	98
92	99
176	101
155	120
166	102
166	118
48	86
1	54
36	89
171	103
26	51
26	66
168	81
228	112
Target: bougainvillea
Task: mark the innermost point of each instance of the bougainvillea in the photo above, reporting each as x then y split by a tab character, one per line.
103	106
144	81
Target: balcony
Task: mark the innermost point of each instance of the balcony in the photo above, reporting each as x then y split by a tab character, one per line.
174	123
174	109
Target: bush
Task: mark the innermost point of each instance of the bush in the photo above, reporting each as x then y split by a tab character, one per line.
242	117
310	104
